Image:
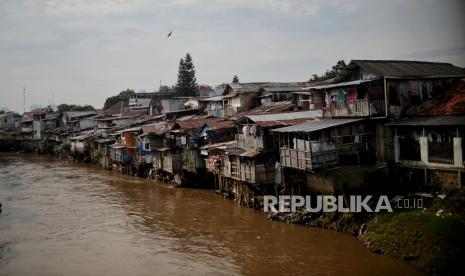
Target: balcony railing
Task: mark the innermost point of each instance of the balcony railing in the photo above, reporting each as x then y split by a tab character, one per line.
316	155
293	158
357	108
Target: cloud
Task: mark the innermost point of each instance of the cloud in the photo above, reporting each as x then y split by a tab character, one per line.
87	50
127	7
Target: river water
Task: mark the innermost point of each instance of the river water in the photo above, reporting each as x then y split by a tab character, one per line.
61	218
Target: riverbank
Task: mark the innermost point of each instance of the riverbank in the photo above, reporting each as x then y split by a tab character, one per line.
431	238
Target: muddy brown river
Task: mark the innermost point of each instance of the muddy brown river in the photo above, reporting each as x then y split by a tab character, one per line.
61	218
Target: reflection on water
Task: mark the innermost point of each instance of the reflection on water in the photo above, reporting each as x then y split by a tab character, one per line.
63	218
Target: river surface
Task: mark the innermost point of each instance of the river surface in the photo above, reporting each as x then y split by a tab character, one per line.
61	218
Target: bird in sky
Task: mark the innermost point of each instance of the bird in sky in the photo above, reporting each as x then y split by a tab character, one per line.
171	31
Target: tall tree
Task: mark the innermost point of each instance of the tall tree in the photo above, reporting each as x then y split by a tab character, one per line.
73	107
167	88
332	73
187	83
235	79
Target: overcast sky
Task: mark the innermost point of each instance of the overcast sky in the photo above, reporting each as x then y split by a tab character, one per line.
83	51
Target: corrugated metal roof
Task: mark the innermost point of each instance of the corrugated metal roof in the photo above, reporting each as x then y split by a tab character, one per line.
250	153
236	151
431	121
211	99
406	68
128	130
282	123
222	145
196	123
286	116
159	128
274	107
220	124
117	146
317	125
283	86
117	108
101	141
303	93
266	86
243	153
78	113
342	84
82	137
245	87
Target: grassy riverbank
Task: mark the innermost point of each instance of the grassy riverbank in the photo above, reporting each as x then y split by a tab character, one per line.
434	243
431	238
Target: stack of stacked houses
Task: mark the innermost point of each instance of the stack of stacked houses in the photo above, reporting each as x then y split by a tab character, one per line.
402	118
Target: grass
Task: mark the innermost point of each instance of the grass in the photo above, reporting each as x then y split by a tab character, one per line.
435	244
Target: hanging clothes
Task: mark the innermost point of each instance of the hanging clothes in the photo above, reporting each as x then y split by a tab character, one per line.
341	97
277	168
245	130
254	131
413	88
327	99
352	94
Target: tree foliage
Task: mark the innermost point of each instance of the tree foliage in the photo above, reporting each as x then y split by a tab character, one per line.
332	73
187	83
122	96
73	107
235	79
167	88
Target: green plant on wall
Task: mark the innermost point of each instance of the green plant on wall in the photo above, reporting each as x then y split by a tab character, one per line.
95	157
62	149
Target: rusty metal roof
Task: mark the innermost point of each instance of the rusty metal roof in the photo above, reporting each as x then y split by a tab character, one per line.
220	124
158	129
196	123
449	102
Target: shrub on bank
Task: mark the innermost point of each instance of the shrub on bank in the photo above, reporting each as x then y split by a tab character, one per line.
63	149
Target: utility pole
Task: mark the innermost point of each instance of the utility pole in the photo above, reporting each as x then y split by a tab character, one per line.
24	99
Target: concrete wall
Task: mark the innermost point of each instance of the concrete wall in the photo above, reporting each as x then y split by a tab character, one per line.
424	162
